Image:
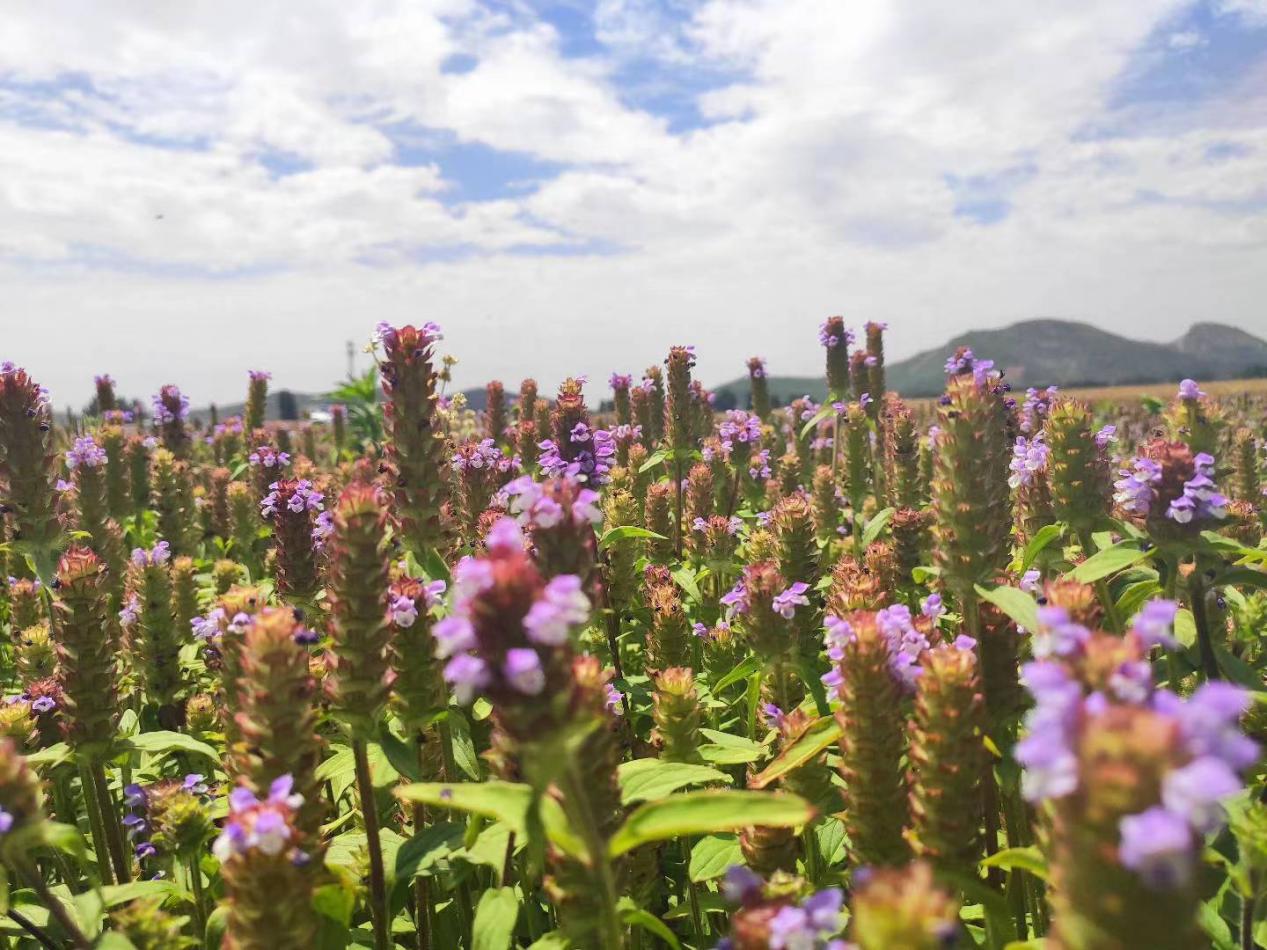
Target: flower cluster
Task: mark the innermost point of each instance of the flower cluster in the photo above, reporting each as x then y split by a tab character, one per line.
170	405
269	457
1029	458
1035	408
588	457
833	333
1200	499
1202	764
483	456
402	610
785	604
85	452
905	643
504	655
533	506
1169	480
264	826
161	553
299	496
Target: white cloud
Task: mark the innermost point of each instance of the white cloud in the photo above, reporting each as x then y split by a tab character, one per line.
134	203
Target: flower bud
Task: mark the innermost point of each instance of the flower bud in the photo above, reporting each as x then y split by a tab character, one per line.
87	651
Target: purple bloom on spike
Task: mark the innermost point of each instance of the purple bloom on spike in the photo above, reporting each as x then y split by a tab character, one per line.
523	671
785	604
1158	845
1188	389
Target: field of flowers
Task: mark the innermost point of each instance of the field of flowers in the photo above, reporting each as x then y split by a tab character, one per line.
984	671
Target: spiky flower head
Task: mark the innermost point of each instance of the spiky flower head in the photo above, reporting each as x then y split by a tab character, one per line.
577	449
678	425
106	401
1247	480
156	630
147	926
1078	465
947	755
669	635
356	589
658	517
620	569
759	387
508	636
494	410
415	444
294	508
1196	419
902	907
171	409
868	681
1170	490
17	723
971	497
525	438
559	517
677	712
25	602
256	397
418	691
173	501
36	653
265	870
21	802
87	651
836	339
653	385
276	714
28	464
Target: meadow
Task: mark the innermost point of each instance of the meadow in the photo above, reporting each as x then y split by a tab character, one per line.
979	671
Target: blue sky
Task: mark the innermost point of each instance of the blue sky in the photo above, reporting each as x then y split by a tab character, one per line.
573	186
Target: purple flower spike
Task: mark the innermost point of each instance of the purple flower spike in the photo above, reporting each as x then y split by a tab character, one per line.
1158	845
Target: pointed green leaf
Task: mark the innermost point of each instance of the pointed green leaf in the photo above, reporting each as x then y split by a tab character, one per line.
697	813
1109	561
1017	604
876	525
621	532
822	734
1045	536
650	779
1026	859
713	855
495	918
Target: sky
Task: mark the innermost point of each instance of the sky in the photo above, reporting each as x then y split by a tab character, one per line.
192	190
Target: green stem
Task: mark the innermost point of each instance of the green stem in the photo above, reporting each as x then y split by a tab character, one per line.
698	925
1247	923
56	909
369	812
97	827
1101	586
576	801
110	818
989	788
200	898
1201	618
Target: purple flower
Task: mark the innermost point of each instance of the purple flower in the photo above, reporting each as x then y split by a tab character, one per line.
1106	435
1200	499
785	604
932	606
833	333
403	611
322	529
1135	489
1057	635
259	375
523	671
740	885
736	599
772	716
1195	791
269	457
161	553
614	700
130	612
1188	389
6	822
561	606
44	704
453	635
195	783
1029	458
1031	581
1158	845
1210	722
145	850
208	627
620	381
85	452
467	674
1154	622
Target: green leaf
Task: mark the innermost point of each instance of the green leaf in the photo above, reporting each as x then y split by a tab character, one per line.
554	940
335	902
217	924
435	566
823	413
421	852
1243	577
725	749
822	734
697	813
1185	628
1017	604
51	757
712	856
1045	536
1134	595
635	916
655	459
503	801
650	779
1109	561
403	759
685	578
464	755
1026	859
746	668
876	525
621	532
495	919
163	742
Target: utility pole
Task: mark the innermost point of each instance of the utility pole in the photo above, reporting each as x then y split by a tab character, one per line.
351	350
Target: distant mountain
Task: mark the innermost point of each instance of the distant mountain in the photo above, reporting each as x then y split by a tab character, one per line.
1060	353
